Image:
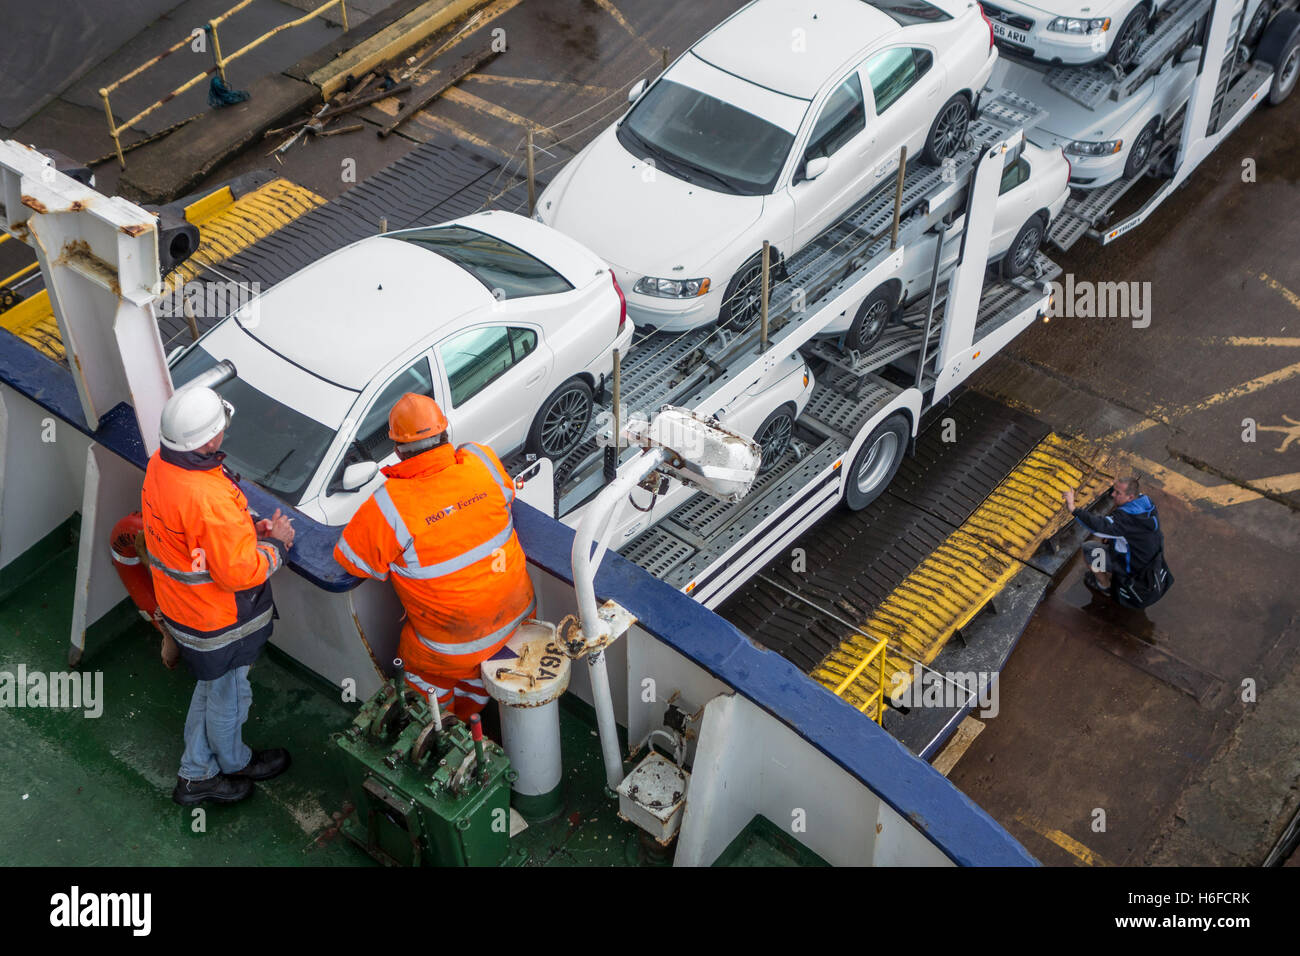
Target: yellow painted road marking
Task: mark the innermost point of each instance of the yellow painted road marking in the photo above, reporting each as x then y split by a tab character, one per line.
622	21
444	125
1066	842
481	105
1278	287
226	226
583	88
1248	340
956	580
1219	398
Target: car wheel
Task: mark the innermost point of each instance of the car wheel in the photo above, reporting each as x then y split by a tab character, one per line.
948	130
1257	24
1280	49
774	437
561	421
1140	151
1123	51
877	462
743	299
1019	257
871	320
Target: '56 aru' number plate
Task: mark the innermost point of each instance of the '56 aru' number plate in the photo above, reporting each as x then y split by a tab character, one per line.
1004	31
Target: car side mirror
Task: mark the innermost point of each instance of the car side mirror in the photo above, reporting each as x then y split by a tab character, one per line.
1191	54
638	88
815	167
358	475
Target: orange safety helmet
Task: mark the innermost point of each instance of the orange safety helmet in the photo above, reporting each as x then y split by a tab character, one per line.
414	418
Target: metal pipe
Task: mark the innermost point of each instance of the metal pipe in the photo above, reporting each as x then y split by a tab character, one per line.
605	723
218	63
611	453
219	374
763	300
112	129
594	529
532	176
898	197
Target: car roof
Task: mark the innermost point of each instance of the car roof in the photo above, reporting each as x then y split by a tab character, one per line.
350	314
757	42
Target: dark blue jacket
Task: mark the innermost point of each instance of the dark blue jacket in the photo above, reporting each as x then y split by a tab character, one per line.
1133	533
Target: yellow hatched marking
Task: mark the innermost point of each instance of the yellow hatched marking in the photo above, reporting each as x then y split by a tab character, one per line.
226	226
946	590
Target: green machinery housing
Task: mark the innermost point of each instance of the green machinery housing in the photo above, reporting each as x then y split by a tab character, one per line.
424	794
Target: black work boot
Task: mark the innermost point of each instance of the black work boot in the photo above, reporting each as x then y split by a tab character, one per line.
265	764
221	789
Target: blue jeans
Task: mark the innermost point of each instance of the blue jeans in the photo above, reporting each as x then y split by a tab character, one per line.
213	727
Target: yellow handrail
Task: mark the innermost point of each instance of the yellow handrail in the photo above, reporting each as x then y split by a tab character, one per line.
878	698
219	64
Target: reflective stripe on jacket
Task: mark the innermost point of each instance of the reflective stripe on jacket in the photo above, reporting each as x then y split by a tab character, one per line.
211	574
441	529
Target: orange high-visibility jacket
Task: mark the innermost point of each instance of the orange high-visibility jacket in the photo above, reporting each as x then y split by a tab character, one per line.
442	526
211	574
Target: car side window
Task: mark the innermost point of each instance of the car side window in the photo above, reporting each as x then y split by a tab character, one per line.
842	118
1013	176
476	358
372	433
893	72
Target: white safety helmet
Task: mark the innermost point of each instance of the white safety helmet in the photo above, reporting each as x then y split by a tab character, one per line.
193	417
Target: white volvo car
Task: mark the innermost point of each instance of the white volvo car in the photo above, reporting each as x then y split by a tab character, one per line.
509	325
1072	31
1115	140
769	128
1033	192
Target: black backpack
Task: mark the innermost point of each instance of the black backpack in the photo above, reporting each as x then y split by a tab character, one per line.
1145	587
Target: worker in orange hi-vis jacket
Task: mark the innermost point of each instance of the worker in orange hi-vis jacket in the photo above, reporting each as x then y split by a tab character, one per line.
211	567
442	526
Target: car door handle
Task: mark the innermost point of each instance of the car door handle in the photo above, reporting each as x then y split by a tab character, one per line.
530	382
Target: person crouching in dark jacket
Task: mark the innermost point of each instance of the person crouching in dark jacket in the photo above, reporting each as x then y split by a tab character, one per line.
1124	542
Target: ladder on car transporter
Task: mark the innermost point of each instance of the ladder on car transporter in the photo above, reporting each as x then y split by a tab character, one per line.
708	547
1229	84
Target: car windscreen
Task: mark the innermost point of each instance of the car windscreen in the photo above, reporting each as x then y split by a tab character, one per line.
267	442
705	141
507	271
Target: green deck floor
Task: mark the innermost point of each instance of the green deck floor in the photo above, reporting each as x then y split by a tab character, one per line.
80	791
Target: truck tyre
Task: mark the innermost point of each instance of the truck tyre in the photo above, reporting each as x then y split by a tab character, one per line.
561	421
871	320
1124	48
774	437
948	130
1280	49
1019	257
877	462
1140	151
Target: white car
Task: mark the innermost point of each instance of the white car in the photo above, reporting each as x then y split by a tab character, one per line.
1115	140
509	325
769	128
1034	190
1072	32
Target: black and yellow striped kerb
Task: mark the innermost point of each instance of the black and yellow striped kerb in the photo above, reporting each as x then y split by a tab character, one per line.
226	226
954	582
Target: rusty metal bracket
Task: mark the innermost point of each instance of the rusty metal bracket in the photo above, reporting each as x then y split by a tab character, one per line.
615	621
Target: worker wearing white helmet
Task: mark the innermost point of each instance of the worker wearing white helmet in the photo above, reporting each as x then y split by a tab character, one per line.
211	567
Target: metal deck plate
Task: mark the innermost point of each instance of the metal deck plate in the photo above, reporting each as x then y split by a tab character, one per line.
855	559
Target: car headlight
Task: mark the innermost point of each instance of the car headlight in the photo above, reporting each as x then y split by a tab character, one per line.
1104	148
671	288
1076	25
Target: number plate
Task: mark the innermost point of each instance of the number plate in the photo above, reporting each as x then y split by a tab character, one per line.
1004	31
